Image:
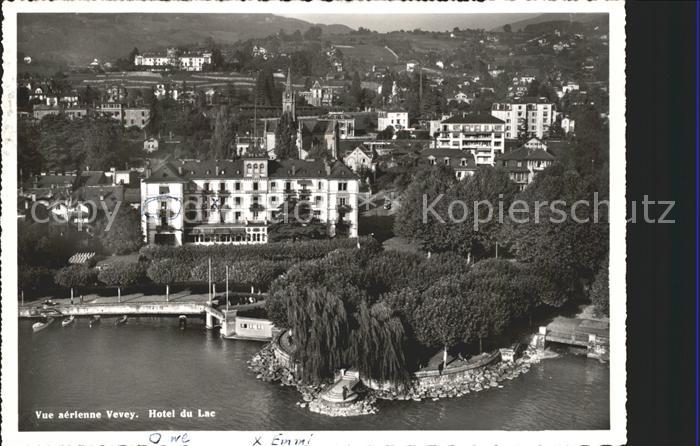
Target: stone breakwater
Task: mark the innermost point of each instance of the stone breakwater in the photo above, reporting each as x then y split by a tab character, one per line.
267	367
462	383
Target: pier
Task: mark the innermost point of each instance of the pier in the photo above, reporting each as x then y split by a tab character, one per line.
232	326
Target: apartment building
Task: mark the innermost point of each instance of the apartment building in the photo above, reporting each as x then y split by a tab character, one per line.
235	201
398	119
128	116
187	61
482	135
526	117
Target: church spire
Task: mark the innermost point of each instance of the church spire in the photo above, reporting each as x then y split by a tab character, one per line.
288	98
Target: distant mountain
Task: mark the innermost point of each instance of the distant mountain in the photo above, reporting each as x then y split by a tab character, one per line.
80	38
554	17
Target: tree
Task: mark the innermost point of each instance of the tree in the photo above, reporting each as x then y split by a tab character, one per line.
132	56
429	184
378	344
285	138
565	251
74	276
442	318
34	279
313	33
320	330
224	134
124	235
600	291
507	28
165	272
483	192
122	274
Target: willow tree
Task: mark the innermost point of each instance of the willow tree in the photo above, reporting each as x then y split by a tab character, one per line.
320	330
378	344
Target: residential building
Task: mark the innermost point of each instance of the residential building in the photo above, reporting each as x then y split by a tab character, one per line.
524	163
234	202
186	61
461	161
39	111
482	135
412	66
526	117
398	119
128	116
360	158
317	134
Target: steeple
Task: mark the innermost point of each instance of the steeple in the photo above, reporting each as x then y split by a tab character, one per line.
288	98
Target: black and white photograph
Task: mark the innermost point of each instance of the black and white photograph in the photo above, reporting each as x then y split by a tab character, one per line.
314	224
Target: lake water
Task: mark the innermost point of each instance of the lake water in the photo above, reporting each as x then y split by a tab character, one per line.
151	364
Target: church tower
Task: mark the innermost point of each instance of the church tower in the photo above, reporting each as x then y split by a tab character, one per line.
288	98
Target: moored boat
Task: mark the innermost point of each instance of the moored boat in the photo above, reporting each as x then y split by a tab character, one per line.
68	321
121	320
38	326
94	320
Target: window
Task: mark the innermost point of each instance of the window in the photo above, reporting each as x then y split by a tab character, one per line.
222	187
447	161
287	186
237	200
342	186
255	185
317	214
463	162
318	199
273	185
273	199
237	186
320	185
164	189
255	215
206	187
342	201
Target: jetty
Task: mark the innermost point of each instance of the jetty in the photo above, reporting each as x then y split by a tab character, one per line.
232	326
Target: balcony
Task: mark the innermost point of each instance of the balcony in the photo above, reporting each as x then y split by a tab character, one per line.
257	207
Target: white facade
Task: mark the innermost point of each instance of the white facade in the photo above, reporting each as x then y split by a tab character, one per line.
185	62
358	159
397	119
234	202
534	118
482	136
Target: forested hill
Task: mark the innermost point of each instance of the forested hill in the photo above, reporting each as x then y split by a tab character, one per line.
554	17
80	38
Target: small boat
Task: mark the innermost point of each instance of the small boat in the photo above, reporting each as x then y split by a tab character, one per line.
94	320
68	321
38	326
121	320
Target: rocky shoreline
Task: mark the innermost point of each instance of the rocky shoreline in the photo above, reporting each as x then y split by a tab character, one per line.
268	368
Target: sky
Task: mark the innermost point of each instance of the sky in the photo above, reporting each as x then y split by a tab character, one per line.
426	22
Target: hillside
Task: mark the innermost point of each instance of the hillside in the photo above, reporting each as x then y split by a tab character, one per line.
79	38
553	17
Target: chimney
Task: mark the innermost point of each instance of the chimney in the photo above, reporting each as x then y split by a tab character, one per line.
294	169
148	172
179	170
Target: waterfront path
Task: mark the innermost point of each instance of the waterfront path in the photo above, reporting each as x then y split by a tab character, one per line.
137	303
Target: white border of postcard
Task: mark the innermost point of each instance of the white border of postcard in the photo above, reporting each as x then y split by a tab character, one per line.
618	419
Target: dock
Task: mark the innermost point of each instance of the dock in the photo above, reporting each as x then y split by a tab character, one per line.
232	326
